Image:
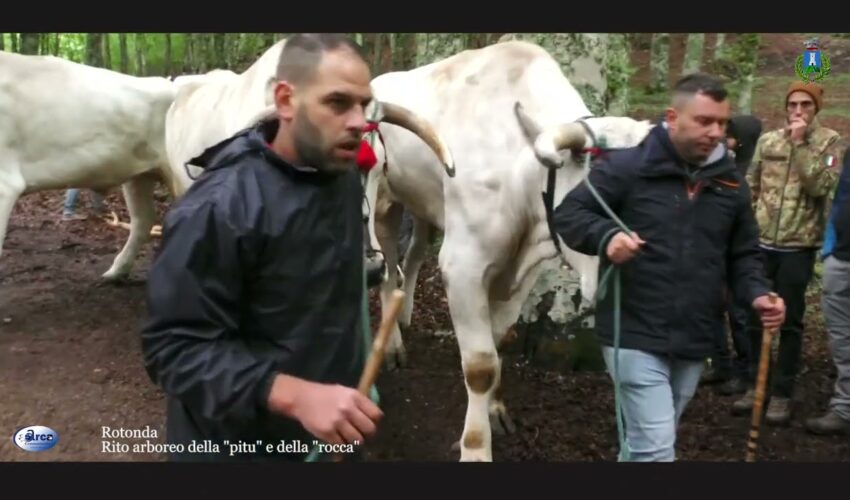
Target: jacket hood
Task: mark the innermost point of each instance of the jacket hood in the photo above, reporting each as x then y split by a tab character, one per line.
253	139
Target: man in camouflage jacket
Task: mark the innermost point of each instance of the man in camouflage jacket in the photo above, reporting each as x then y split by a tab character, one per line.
792	177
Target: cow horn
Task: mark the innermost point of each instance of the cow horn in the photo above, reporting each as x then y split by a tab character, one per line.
568	136
547	143
397	115
529	127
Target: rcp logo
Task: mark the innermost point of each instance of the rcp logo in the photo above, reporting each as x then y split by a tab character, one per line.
36	438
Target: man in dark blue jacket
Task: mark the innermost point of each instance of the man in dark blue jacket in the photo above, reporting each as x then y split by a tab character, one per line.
835	303
255	295
692	229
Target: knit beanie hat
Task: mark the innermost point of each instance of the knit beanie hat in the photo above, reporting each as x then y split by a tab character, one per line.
811	88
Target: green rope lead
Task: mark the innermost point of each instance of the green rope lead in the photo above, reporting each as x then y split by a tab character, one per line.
614	271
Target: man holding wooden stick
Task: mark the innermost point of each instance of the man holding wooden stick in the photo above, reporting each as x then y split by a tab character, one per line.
793	173
255	298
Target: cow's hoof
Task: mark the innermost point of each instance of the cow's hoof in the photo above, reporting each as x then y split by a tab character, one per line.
500	421
476	455
120	280
395	360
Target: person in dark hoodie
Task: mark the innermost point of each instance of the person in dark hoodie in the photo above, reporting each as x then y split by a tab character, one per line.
254	298
742	134
693	231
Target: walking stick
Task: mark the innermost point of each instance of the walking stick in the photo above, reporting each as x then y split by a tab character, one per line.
761	384
376	357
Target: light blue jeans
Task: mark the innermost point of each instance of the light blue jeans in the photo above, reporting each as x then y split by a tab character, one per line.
654	391
71	196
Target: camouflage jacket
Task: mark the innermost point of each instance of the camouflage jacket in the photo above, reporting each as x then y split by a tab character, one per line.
792	186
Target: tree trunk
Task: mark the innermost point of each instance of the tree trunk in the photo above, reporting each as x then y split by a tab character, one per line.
377	52
107	51
719	48
14	41
29	43
659	65
432	47
141	62
124	63
394	50
693	53
168	55
94	50
618	73
747	52
219	55
56	45
189	54
583	59
2	41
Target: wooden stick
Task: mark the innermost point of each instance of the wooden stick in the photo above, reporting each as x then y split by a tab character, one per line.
376	356
761	384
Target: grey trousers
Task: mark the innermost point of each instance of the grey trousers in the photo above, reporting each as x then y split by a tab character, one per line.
836	312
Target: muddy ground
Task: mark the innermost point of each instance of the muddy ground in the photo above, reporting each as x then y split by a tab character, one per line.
70	360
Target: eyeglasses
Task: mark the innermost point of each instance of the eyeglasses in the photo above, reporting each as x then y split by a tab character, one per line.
804	105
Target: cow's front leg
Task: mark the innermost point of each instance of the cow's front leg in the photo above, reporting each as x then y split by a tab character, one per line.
464	273
11	187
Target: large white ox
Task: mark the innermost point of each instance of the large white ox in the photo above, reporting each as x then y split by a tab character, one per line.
492	214
64	124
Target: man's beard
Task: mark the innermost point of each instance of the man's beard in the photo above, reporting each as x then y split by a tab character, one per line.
308	146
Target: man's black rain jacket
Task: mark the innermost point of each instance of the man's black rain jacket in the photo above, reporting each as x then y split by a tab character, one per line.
260	271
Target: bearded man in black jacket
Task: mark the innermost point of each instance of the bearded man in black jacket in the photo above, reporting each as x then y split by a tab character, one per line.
255	296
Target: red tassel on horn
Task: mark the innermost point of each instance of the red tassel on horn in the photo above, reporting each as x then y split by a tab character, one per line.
366	158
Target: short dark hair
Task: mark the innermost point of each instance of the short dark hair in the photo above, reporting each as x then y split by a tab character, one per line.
699	83
302	53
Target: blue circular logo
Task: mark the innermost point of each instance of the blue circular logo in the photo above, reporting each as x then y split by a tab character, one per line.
35	438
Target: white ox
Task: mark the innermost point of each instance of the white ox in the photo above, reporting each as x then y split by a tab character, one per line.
64	124
211	107
492	214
